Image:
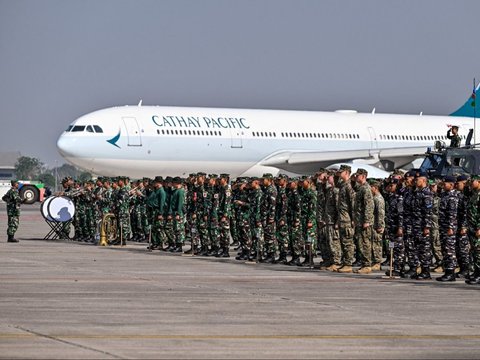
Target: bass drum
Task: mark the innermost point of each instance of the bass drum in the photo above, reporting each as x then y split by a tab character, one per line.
58	209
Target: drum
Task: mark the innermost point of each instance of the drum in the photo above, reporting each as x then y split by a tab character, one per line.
58	209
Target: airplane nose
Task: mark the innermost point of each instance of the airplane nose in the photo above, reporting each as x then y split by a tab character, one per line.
64	146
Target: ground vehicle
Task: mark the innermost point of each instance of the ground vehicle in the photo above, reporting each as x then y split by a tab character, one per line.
30	191
444	161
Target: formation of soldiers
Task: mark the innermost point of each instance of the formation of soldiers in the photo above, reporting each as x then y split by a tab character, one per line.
349	221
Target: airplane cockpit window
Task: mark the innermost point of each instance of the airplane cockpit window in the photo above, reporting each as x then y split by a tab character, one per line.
98	129
90	128
69	128
78	128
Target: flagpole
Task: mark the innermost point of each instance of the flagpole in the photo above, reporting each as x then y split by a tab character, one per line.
474	113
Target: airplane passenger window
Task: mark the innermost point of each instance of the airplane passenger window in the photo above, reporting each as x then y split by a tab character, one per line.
78	128
98	129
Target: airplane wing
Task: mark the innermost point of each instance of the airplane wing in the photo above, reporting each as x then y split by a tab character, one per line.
311	161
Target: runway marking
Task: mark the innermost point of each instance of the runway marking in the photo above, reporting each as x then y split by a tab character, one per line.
245	337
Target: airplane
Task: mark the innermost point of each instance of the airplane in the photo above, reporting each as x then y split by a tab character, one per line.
138	141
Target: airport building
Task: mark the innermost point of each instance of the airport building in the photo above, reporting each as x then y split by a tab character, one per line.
7	164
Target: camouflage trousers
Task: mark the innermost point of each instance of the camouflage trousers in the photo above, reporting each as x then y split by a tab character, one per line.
423	247
203	233
214	232
179	230
475	250
13	222
376	247
448	250
346	240
436	245
141	221
282	237
233	229
296	239
244	234
270	237
463	251
257	238
192	231
364	236
169	232
225	233
322	241
333	244
398	251
410	248
124	226
158	232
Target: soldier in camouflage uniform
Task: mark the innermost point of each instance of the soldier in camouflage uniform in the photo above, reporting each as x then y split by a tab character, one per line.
123	211
255	200
421	224
243	210
447	221
323	249
331	220
295	223
169	225
200	195
177	213
407	192
378	225
363	219
473	221
13	201
224	214
211	213
462	243
309	220
281	211
346	200
434	230
395	226
105	198
269	202
156	204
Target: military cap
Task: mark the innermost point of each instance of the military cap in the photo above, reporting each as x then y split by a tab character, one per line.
449	179
462	178
13	182
192	175
432	182
158	179
242	181
282	176
375	183
106	179
322	171
267	176
224	175
455	126
475	177
410	173
361	171
421	173
394	181
345	168
201	174
253	178
213	176
146	179
168	179
177	180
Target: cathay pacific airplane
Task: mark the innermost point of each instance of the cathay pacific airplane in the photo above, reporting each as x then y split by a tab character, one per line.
142	141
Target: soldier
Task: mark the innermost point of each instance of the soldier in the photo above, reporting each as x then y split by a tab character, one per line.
156	204
123	211
434	230
452	134
169	223
242	205
281	211
309	220
255	200
346	198
210	214
408	190
320	184
177	214
462	243
295	222
473	221
13	201
224	214
421	224
448	227
395	226
269	201
331	221
201	221
105	198
363	219
378	225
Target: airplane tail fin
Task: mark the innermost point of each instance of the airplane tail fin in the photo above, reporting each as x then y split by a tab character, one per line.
469	108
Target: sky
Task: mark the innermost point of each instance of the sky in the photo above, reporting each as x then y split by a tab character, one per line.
62	59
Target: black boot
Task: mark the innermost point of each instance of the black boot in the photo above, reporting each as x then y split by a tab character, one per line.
448	276
463	273
282	259
474	278
242	256
225	253
11	239
424	275
295	261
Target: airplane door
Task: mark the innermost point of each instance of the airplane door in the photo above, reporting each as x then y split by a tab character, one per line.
236	136
373	137
133	131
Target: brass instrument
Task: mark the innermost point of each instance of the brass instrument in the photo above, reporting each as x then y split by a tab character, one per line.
108	229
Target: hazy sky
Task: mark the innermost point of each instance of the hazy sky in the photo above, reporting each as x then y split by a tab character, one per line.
62	59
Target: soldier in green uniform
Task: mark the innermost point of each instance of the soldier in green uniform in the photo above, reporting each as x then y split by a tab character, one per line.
434	230
320	185
346	199
243	210
123	211
295	222
269	201
331	220
363	219
169	226
156	204
281	217
224	214
211	214
473	223
455	139
255	200
177	214
309	220
378	225
13	201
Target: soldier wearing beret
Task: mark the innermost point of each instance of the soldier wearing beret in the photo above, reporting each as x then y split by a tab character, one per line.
452	134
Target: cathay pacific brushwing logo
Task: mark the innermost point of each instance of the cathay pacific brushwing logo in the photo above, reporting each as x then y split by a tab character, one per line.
114	140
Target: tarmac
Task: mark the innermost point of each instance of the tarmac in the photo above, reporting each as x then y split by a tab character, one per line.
61	299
